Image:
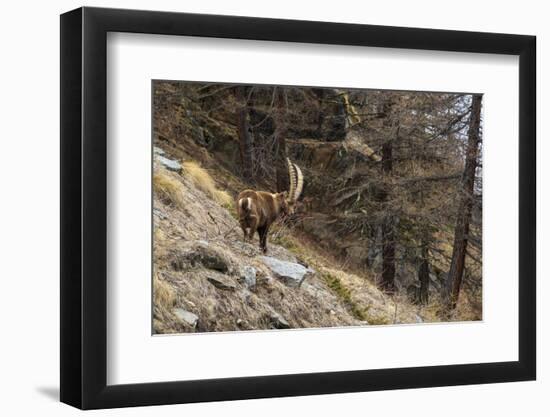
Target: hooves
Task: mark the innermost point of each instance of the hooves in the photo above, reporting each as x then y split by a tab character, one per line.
250	240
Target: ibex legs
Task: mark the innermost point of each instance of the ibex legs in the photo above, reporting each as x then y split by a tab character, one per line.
251	224
263	231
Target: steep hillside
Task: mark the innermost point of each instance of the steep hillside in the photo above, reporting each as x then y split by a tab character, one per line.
207	279
368	215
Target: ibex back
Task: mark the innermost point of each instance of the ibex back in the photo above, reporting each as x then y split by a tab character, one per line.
259	209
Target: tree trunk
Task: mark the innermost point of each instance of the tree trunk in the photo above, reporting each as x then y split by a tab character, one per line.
456	271
320	94
424	276
388	227
388	255
281	169
245	137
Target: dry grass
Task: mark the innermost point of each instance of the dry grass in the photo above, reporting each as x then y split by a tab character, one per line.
163	293
203	181
168	188
160	247
467	309
164	300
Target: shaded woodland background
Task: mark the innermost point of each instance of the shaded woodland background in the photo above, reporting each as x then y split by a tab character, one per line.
389	221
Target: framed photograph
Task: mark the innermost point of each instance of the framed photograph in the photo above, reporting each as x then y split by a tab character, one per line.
258	208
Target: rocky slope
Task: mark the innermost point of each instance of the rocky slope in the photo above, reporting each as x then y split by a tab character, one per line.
207	279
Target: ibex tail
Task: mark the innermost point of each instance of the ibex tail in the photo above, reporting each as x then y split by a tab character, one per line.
245	204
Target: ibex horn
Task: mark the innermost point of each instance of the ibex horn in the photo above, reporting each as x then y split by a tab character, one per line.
292	179
299	182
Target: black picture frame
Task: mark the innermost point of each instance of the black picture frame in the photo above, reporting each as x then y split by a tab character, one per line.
84	207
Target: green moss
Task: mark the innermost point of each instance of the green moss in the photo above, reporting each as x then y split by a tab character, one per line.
336	285
345	295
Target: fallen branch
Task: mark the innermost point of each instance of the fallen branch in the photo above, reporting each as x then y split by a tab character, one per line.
454	176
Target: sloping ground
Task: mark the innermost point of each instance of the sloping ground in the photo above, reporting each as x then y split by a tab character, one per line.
207	279
191	212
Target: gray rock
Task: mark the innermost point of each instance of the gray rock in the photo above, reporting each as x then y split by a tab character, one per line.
186	316
170	164
158	151
280	253
291	273
201	253
248	276
277	321
157	212
419	319
243	325
222	282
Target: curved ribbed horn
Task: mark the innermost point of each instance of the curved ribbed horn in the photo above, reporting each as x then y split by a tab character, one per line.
291	178
299	183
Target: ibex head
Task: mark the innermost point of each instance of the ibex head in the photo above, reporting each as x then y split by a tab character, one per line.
283	202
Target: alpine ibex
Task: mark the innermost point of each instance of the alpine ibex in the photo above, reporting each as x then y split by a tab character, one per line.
259	209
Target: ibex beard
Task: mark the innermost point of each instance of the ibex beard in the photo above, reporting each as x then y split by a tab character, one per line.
258	210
